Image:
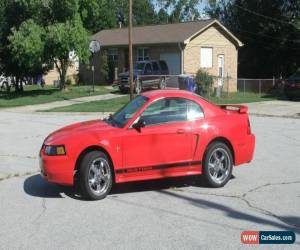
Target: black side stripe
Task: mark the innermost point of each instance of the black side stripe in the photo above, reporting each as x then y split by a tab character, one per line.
142	169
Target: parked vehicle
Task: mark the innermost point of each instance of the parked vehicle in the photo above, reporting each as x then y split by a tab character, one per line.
8	84
4	83
292	86
159	134
145	74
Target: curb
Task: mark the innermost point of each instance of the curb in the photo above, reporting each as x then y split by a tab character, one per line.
278	116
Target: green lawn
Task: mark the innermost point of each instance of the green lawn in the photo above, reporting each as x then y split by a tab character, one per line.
36	95
116	103
241	98
110	105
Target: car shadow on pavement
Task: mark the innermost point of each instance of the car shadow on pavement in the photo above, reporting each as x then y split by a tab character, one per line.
291	223
35	185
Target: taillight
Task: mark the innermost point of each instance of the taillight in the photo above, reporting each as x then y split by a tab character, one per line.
249	128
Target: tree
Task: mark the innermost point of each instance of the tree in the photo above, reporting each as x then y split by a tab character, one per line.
37	32
143	12
179	10
97	15
27	47
268	30
162	16
61	39
13	14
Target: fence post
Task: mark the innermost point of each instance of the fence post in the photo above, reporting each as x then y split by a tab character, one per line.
260	87
273	81
244	86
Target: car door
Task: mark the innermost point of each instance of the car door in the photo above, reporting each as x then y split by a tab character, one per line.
164	143
148	75
156	73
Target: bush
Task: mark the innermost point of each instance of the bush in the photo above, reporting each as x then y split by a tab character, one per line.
104	67
204	82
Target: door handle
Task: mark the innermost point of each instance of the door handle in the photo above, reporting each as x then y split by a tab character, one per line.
181	131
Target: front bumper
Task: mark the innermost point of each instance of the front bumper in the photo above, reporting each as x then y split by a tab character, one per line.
56	169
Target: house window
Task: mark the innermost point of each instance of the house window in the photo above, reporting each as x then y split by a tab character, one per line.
112	55
206	57
142	54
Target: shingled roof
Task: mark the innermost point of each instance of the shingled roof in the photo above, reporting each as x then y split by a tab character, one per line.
158	34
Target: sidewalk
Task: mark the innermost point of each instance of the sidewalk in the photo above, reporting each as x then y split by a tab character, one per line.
50	105
275	108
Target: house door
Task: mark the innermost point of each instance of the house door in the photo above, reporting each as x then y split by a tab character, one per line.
220	70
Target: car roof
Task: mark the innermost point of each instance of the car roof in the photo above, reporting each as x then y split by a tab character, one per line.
211	109
169	93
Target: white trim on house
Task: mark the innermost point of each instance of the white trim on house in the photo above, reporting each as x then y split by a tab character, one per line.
239	43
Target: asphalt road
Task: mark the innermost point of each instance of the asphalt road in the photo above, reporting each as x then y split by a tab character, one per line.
170	214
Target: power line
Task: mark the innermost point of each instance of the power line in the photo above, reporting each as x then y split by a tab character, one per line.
264	16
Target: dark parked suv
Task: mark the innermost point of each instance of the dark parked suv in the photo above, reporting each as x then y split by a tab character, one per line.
145	74
292	86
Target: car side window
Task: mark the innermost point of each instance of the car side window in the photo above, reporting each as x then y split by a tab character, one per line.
155	66
195	112
148	69
165	111
163	65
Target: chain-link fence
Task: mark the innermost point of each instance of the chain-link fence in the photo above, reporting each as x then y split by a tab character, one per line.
220	87
260	86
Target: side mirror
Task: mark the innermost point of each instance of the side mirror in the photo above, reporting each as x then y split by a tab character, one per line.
140	124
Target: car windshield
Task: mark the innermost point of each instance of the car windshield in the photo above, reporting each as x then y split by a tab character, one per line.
139	66
121	117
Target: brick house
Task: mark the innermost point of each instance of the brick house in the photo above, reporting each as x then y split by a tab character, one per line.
52	75
186	47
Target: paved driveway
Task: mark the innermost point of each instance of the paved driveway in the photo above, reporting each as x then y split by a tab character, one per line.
276	108
174	214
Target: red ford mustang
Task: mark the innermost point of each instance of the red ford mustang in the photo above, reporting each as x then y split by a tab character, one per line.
158	134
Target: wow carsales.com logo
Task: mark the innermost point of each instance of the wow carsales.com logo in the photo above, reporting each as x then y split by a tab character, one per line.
268	237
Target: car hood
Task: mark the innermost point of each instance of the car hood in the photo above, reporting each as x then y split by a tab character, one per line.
78	128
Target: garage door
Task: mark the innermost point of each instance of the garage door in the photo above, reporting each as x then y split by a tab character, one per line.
173	62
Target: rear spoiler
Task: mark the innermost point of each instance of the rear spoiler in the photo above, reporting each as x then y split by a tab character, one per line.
242	109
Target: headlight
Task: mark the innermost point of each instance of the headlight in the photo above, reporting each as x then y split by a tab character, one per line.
55	150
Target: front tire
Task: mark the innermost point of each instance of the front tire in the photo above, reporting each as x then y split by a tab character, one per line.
123	90
96	175
218	164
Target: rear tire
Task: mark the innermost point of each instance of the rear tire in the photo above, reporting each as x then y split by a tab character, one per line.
218	164
95	175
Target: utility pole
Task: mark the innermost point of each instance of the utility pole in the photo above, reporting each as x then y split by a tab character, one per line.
130	49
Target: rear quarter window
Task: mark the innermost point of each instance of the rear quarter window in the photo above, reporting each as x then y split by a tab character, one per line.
163	65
